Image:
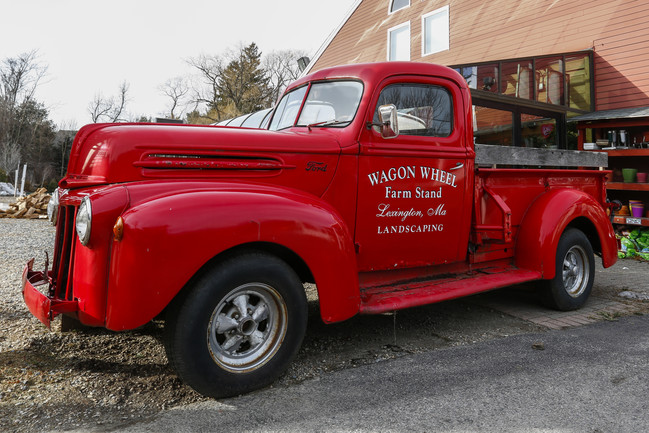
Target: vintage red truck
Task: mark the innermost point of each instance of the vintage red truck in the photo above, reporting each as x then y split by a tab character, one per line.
365	183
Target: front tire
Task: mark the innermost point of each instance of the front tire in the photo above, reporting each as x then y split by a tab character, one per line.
239	327
575	272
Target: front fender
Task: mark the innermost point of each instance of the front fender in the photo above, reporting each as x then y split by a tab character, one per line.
547	218
168	240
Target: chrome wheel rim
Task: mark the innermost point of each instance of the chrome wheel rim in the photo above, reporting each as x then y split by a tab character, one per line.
576	271
247	327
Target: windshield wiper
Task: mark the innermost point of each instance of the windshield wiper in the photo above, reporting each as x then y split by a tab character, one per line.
327	123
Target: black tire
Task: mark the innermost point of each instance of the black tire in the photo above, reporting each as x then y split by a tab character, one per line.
239	327
575	272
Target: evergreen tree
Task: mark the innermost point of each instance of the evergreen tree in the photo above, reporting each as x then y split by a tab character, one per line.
243	83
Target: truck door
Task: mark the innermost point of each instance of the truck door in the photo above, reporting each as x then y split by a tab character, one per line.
413	205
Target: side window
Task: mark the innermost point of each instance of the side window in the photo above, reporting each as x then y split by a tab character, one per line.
422	109
287	109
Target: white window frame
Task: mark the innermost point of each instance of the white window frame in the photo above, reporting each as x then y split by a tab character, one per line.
423	31
389	45
390	11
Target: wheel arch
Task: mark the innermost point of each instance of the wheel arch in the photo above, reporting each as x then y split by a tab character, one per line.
549	216
288	256
171	249
588	228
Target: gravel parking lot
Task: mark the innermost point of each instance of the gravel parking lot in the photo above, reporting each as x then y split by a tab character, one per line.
50	380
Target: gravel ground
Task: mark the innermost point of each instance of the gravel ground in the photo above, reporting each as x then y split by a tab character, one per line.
94	378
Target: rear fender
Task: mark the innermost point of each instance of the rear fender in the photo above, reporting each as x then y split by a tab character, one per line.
168	240
547	218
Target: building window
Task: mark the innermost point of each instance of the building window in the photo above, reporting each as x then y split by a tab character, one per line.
562	79
508	124
516	79
399	42
396	5
436	31
578	79
493	126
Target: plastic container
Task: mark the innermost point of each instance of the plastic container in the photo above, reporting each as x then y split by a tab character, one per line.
629	175
642	177
638	210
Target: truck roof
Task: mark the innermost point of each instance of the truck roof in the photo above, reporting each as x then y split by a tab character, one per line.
373	73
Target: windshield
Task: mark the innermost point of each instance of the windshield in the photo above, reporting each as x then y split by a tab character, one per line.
332	103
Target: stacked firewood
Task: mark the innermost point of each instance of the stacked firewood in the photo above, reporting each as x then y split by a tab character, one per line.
33	206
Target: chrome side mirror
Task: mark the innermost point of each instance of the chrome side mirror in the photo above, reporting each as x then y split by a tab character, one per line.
388	118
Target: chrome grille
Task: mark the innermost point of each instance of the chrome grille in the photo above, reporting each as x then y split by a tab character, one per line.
63	264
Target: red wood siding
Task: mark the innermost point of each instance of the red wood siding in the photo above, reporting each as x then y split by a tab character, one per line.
487	30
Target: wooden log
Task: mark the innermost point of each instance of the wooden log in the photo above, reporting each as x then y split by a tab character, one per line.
491	155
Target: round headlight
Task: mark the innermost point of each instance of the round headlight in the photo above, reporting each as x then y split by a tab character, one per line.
84	221
53	207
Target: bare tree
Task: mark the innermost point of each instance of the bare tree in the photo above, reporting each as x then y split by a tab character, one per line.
19	78
281	69
109	109
177	89
9	155
25	130
210	69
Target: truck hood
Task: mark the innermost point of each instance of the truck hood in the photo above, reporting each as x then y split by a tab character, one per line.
118	153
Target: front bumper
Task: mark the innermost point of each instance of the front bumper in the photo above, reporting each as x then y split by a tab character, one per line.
44	307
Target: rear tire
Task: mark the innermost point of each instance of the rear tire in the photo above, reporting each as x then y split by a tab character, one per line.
239	327
575	272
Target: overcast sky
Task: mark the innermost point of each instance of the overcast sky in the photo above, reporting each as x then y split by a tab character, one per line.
91	47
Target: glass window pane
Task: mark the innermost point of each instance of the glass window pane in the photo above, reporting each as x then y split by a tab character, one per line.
400	43
517	79
333	101
436	32
492	126
287	109
422	110
237	121
398	4
483	77
549	80
255	119
537	131
578	80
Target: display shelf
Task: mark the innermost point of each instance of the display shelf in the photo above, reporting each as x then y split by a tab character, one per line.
629	220
625	152
622	186
636	130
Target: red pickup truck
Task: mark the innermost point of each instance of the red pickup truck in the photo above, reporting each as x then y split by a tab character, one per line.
365	183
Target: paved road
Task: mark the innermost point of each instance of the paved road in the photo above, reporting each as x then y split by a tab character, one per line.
592	379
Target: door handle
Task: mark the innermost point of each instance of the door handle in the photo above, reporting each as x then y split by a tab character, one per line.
458	165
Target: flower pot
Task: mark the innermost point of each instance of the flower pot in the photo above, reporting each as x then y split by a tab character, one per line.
637	210
629	175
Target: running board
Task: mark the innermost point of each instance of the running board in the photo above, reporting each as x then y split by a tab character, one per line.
383	299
